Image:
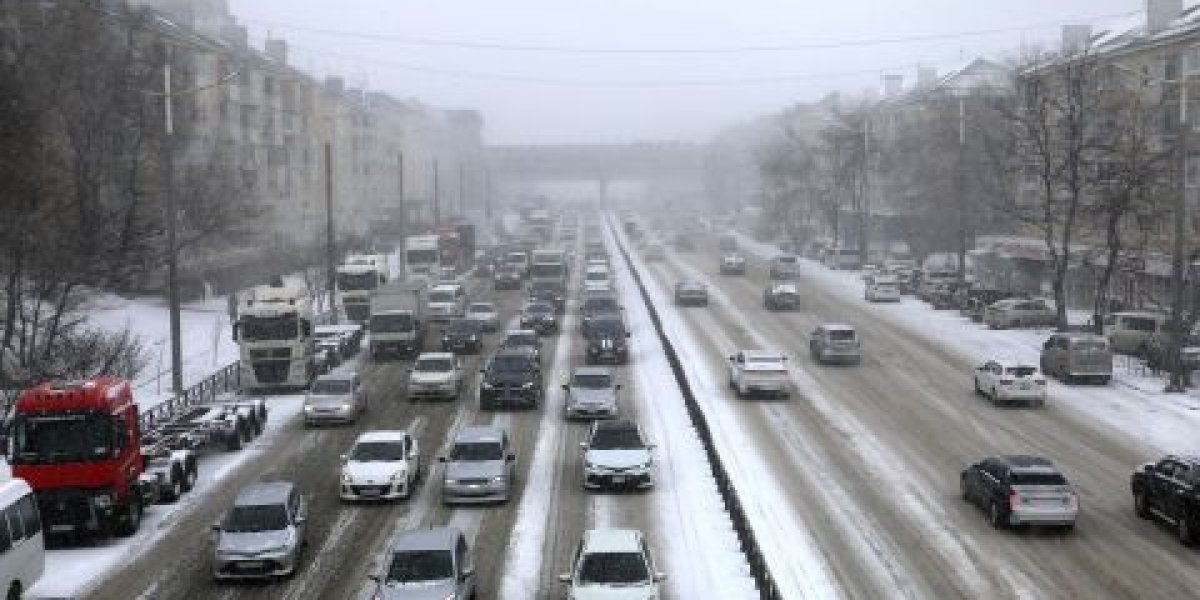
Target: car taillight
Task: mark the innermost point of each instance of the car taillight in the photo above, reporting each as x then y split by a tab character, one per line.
1014	499
1006	382
1040	381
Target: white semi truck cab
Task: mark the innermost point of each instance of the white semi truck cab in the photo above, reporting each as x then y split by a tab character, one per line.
274	331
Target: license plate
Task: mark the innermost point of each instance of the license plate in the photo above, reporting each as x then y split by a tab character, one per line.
250	565
369	492
61	528
618	479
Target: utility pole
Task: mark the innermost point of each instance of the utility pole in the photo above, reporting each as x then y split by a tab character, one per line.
960	185
462	190
437	196
487	194
1177	383
330	247
403	214
864	215
171	218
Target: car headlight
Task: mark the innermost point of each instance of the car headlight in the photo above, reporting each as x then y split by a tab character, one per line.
346	478
486	385
527	385
500	479
345	406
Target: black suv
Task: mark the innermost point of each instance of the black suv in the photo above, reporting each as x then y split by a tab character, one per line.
513	378
595	305
606	343
554	292
1020	490
540	317
1169	490
463	336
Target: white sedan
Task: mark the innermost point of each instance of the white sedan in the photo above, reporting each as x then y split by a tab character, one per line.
1009	381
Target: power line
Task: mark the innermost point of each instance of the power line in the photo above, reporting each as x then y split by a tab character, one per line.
514	47
645	83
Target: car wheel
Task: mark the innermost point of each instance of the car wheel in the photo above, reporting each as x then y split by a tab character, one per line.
965	489
1140	508
1184	530
189	479
978	390
996	516
994	396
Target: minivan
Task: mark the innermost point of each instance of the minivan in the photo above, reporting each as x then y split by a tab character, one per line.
1130	332
1073	356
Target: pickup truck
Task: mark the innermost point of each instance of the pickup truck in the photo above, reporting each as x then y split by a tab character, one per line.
1169	491
759	371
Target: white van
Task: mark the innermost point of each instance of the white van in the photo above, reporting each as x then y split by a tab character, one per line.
22	548
446	302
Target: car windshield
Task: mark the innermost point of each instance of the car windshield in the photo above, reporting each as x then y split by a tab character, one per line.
441	296
841	335
377	451
331	386
613	568
606	328
764	360
477	451
255	518
521	339
1021	371
600	305
539	308
464	326
415	566
391	323
259	329
616	438
787	260
1036	478
422	257
481	309
1089	345
64	437
511	364
1140	323
357	281
591	381
434	365
597	276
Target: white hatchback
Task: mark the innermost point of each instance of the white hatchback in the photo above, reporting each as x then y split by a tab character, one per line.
1009	381
381	465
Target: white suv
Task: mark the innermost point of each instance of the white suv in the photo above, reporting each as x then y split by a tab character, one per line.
613	564
381	465
435	375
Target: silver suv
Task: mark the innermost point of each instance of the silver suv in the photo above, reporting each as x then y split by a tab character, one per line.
262	534
591	394
479	467
428	563
835	342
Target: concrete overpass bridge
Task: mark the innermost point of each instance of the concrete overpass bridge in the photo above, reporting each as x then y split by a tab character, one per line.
674	164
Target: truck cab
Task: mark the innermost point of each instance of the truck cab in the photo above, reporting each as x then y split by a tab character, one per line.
275	333
78	445
357	277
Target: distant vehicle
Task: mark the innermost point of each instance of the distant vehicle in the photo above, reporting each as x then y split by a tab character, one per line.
785	266
427	563
759	372
436	375
23	554
486	314
843	258
335	398
507	277
691	293
348	337
606	340
262	534
835	342
613	563
463	336
274	331
1076	356
590	394
381	465
882	289
597	278
733	263
1130	332
479	466
540	317
654	251
356	278
1168	491
1016	312
523	338
616	455
727	244
1156	351
422	255
518	261
1020	490
1009	381
329	355
446	301
512	378
781	296
552	291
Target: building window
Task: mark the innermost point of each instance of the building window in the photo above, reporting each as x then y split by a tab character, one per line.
1171	69
1192	175
1191	60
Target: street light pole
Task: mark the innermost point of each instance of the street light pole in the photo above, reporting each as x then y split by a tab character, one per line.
171	218
1177	383
437	196
330	245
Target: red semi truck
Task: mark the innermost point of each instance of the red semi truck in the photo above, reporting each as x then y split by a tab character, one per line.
79	447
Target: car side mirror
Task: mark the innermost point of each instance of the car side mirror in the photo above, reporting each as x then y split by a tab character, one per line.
441	459
510	456
565	386
216	528
564	577
483	370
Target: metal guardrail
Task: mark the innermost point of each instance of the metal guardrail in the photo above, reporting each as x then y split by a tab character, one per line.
759	570
226	379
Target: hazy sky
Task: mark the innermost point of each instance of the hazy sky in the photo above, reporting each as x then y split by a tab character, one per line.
552	91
